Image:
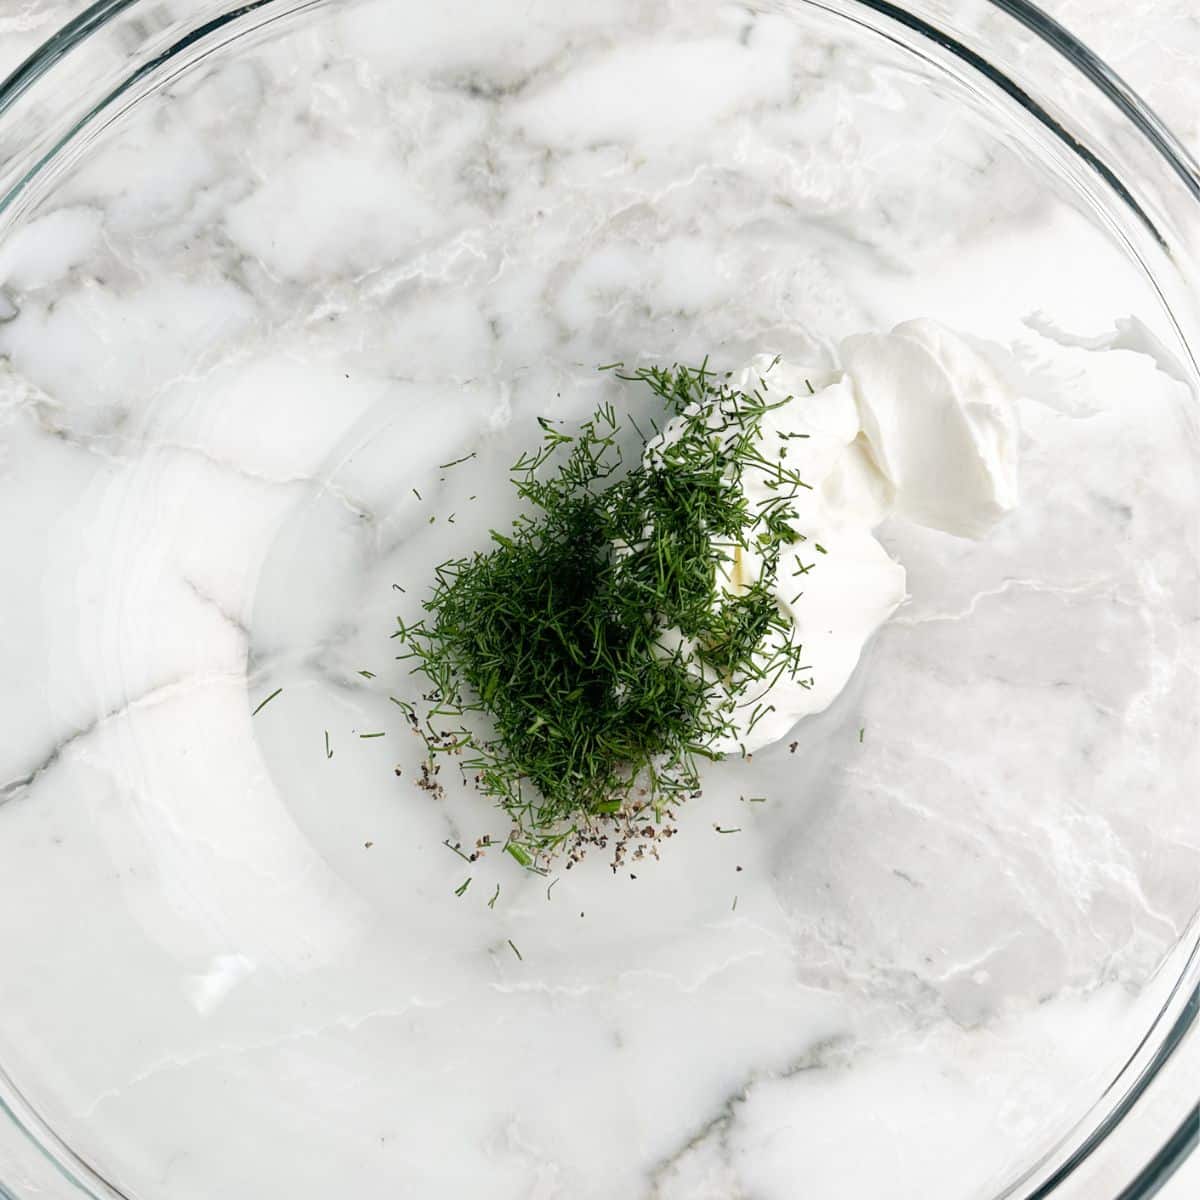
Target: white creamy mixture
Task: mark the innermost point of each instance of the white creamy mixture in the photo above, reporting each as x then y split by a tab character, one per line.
918	424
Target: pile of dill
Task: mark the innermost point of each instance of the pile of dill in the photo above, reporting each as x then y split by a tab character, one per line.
599	637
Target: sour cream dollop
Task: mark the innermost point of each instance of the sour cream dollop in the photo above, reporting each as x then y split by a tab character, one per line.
918	424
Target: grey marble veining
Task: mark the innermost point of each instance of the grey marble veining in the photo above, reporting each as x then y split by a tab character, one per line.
247	328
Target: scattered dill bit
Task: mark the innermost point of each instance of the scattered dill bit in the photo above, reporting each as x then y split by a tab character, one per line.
367	674
719	829
416	493
457	849
456	461
462	887
820	549
610	366
596	635
495	897
381	733
792	747
811	390
450	518
368	845
515	950
861	734
397	588
756	799
328	747
432	518
550	887
734	908
266	701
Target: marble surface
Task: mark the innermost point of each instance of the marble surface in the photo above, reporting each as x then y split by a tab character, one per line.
247	328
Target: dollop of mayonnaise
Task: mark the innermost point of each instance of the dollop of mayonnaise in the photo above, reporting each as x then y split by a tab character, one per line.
917	424
941	425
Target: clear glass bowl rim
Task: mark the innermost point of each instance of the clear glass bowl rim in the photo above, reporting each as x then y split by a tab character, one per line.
1180	1019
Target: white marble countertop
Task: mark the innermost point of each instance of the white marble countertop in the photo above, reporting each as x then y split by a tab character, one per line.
1156	46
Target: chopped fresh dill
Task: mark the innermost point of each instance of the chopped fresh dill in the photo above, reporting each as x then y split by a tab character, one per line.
328	747
266	701
462	887
720	830
519	853
495	897
367	674
382	733
596	639
456	461
515	950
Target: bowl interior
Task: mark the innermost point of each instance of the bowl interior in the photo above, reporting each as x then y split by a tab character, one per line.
256	316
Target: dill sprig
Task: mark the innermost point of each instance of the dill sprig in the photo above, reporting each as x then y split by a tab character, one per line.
600	638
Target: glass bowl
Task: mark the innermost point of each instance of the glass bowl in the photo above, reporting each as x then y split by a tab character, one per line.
267	267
